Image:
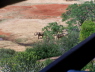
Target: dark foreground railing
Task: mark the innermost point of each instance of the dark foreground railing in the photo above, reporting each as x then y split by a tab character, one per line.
76	58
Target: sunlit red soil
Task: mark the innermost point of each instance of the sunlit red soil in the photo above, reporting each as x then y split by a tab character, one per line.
33	12
4	33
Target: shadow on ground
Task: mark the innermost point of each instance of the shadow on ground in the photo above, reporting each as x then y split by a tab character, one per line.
29	44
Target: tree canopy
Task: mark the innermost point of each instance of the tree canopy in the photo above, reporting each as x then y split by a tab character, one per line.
52	29
87	28
78	13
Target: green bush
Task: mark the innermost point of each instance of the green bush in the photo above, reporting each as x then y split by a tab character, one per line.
47	62
5	53
45	49
69	41
87	28
21	62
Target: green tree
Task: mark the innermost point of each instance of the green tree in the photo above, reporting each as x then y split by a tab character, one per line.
52	29
87	28
78	13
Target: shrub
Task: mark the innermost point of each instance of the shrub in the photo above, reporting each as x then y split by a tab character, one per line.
45	49
21	62
47	62
69	41
87	28
5	53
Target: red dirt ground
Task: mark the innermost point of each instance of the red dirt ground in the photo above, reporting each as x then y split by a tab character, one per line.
45	11
32	12
3	33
